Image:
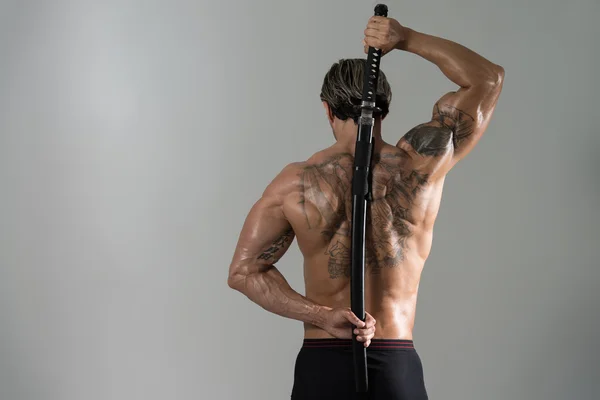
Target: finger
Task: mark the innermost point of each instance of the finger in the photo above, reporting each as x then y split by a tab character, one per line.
366	338
368	343
365	332
378	25
354	319
373	42
377	19
365	329
370	32
375	26
370	321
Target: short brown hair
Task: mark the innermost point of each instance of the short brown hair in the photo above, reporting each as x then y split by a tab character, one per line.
342	89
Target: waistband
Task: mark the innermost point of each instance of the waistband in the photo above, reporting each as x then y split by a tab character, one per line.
380	344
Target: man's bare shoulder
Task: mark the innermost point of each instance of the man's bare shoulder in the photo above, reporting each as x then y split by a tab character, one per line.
331	166
327	154
294	171
286	181
332	158
296	178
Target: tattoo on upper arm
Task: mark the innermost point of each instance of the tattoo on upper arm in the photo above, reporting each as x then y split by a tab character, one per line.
458	121
280	243
453	127
430	140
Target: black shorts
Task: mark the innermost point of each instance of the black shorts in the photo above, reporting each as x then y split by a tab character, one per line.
324	370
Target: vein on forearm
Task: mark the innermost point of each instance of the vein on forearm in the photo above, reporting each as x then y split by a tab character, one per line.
259	279
268	288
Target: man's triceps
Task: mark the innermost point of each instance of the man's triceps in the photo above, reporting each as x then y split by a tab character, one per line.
459	122
430	139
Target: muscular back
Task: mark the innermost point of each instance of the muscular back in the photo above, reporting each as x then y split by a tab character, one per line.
312	201
398	234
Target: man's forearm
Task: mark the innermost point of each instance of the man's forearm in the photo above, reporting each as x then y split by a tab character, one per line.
461	65
269	289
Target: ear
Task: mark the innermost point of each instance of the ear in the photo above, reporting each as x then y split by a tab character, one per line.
328	111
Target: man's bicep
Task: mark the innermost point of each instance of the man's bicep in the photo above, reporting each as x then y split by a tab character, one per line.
265	237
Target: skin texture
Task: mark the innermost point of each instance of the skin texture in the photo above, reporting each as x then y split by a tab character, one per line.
311	202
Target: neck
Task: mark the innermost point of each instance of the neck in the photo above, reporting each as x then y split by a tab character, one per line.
346	132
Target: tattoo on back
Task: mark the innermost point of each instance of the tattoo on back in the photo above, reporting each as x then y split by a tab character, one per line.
327	187
339	260
390	214
282	242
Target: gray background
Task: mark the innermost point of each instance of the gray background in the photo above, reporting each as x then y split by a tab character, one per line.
135	136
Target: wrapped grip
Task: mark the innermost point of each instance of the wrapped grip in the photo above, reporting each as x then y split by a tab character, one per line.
372	67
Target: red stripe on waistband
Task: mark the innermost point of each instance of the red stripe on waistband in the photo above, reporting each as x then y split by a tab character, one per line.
375	343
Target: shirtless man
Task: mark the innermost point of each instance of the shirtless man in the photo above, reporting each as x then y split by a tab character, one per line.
312	202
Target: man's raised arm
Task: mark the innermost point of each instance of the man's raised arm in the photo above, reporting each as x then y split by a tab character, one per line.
459	118
466	112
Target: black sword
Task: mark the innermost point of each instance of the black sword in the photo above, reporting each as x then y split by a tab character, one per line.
360	195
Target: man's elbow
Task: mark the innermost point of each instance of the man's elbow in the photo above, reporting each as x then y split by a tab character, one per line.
231	282
235	279
491	78
498	76
495	77
241	272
